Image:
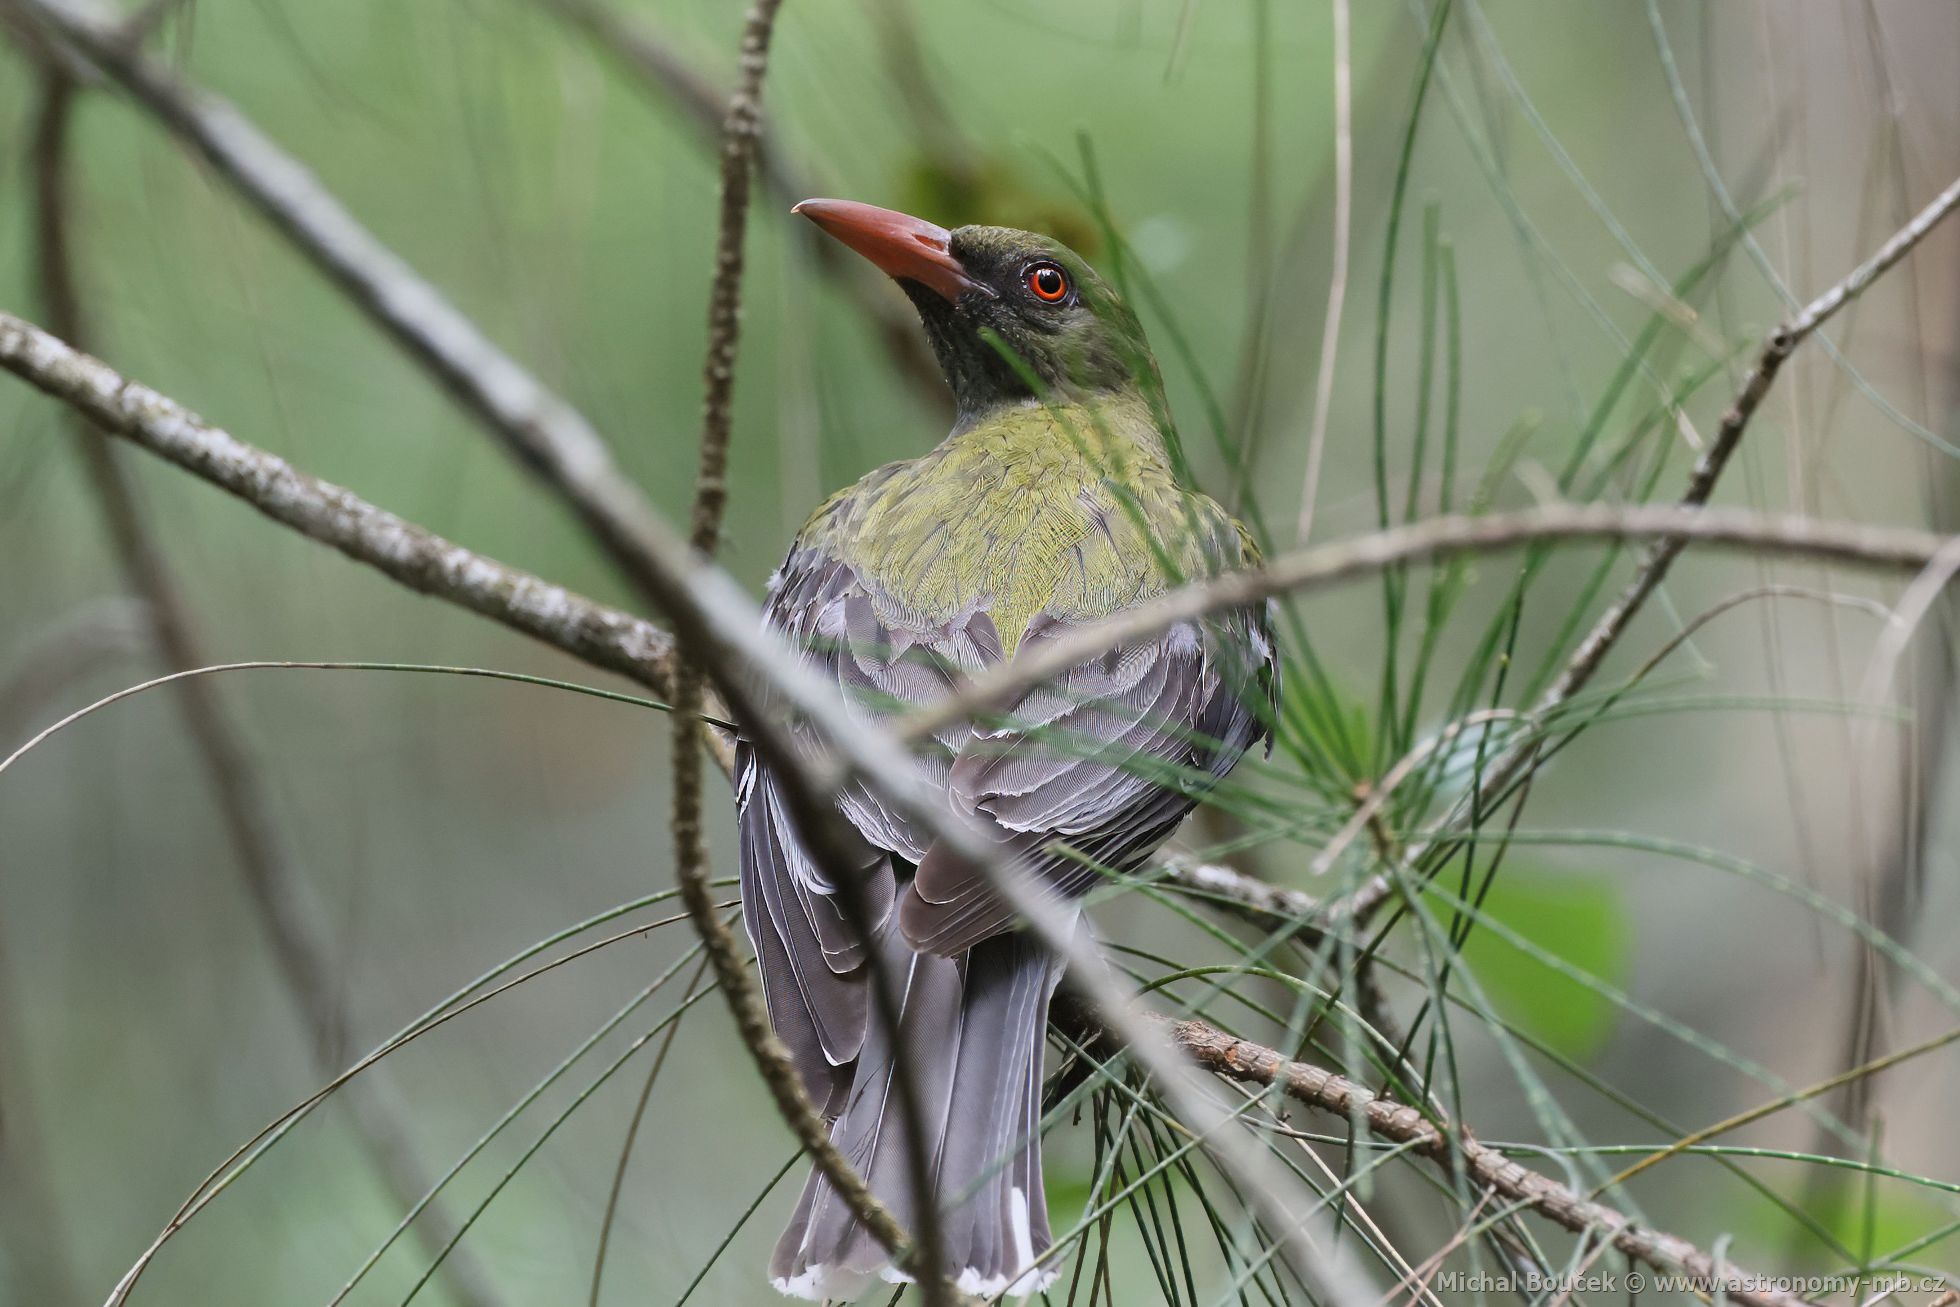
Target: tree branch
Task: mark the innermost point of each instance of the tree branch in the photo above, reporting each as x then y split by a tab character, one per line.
740	136
541	429
1430	540
1489	1170
419	559
1276	909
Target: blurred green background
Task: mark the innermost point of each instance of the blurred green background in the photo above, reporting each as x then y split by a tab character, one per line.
443	824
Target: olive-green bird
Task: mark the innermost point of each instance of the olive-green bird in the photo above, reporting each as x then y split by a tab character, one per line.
1050	505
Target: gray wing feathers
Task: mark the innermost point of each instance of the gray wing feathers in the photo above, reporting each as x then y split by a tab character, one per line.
1108	760
811	960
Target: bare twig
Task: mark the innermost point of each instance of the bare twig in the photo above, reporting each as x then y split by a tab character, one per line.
1289	913
1486	1168
1378	794
406	553
274	886
417	558
740	133
668	76
541	429
741	137
1432	539
1777	348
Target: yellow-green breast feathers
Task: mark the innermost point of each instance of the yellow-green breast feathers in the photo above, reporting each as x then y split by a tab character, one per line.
1068	510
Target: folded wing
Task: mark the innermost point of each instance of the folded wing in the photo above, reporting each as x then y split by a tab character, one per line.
1089	773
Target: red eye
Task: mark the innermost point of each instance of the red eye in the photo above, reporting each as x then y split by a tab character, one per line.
1048	282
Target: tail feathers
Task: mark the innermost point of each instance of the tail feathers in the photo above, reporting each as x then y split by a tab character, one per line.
970	1033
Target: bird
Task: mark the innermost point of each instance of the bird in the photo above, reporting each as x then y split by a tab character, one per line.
1053	502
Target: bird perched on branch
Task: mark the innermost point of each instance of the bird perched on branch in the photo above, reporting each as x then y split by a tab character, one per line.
1051	504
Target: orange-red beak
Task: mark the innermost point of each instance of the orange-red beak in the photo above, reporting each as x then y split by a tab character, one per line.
903	247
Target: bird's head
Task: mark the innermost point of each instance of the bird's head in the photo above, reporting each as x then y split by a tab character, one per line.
1011	315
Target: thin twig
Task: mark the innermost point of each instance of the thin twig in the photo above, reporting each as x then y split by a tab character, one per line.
1289	913
1432	539
671	78
740	135
1777	348
540	428
1486	1168
1379	793
741	132
416	558
274	887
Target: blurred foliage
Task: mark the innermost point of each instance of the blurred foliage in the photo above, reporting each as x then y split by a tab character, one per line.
1575	918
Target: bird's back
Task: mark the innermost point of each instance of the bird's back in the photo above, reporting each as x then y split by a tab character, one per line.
1067	513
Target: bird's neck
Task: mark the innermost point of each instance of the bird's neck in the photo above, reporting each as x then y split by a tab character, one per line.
1117	428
